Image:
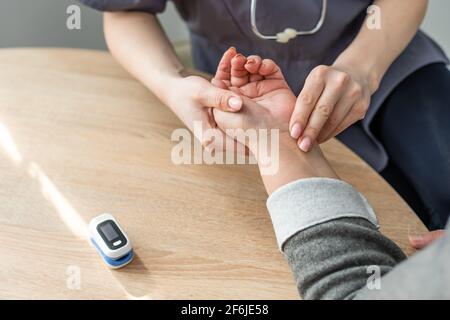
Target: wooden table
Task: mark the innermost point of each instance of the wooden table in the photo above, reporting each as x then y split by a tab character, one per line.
78	137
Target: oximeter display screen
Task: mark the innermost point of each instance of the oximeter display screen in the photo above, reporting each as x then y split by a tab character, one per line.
111	234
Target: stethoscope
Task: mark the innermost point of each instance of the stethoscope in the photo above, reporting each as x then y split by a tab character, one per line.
288	33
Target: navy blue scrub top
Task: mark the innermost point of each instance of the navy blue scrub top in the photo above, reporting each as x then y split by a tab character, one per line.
215	25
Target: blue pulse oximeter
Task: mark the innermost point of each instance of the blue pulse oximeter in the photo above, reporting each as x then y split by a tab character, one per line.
111	241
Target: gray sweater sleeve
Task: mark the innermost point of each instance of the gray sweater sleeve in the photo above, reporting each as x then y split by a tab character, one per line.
329	234
336	259
331	240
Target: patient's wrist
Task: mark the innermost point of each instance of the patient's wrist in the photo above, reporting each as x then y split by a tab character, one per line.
293	164
270	141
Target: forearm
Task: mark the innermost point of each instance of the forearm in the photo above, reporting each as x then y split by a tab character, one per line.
349	259
327	230
140	45
374	50
336	259
329	234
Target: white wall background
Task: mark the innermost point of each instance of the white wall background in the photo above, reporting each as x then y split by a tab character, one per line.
42	23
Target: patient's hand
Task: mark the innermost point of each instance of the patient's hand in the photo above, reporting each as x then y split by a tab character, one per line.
259	80
268	104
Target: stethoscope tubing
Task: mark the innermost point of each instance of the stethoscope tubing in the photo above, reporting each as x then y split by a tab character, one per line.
314	30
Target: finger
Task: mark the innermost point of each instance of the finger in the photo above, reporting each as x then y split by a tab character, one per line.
253	64
224	68
342	109
322	111
307	99
213	139
225	143
421	241
211	121
255	78
226	100
235	90
202	129
231	121
250	116
227	120
356	114
239	75
222	84
270	70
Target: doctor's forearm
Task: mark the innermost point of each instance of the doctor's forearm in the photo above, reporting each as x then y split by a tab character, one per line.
140	45
374	50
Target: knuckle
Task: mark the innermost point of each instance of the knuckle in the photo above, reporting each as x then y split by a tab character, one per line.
305	98
324	110
224	67
360	110
312	131
342	79
331	123
320	71
356	91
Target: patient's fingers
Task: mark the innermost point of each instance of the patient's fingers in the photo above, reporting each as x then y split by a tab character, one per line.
256	77
239	75
421	241
222	84
224	69
270	70
253	64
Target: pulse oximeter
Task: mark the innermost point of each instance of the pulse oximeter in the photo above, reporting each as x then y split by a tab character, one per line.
111	241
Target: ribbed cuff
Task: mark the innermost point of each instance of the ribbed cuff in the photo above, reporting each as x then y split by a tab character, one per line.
308	202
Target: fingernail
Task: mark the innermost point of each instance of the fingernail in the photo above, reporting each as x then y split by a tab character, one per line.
296	130
305	144
235	103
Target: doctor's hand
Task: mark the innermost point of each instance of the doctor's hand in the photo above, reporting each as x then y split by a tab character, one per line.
332	99
193	98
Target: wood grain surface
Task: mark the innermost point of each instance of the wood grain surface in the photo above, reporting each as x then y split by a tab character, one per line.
79	136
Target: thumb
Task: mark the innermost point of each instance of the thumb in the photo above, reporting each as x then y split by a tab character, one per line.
421	241
219	98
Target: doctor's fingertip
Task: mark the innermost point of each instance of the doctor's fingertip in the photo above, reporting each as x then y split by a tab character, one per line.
296	130
415	239
235	103
305	144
